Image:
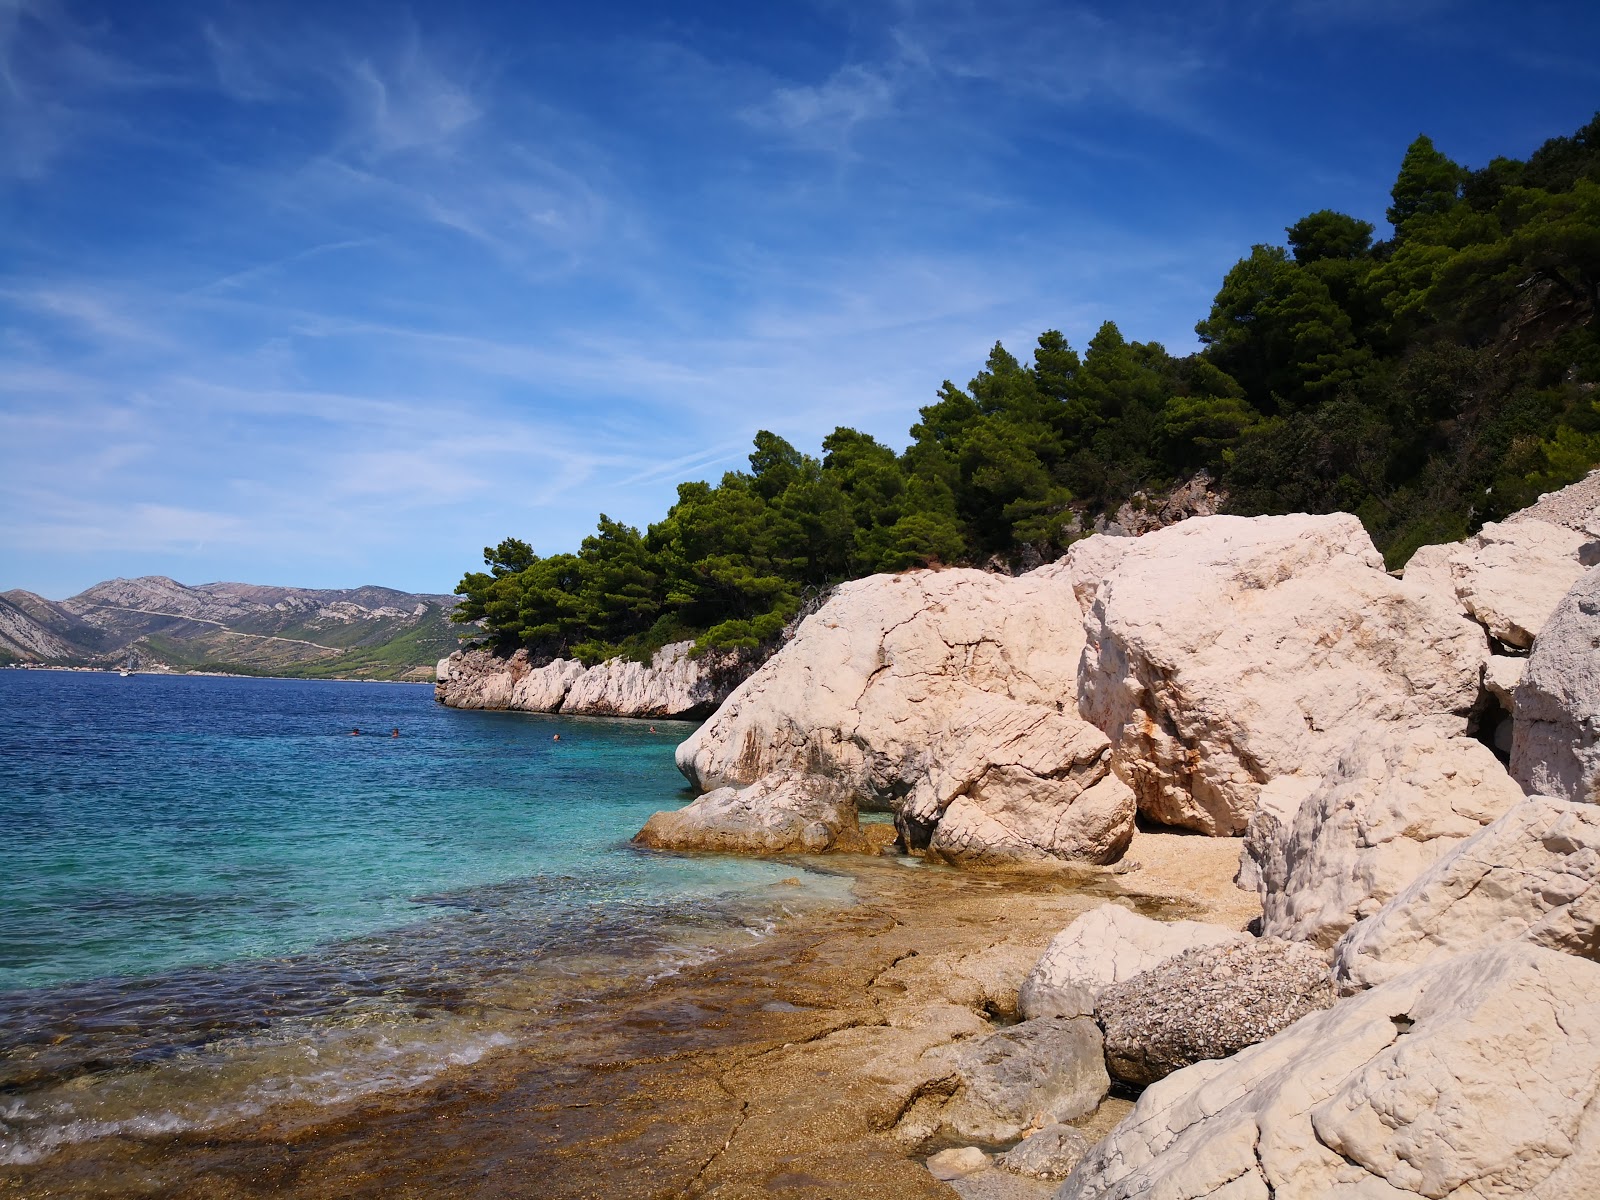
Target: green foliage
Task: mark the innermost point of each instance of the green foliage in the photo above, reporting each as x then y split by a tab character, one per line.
1427	384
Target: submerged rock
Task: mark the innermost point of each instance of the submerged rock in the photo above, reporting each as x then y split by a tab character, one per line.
1226	652
1555	748
1472	1076
1108	945
1531	876
1209	1003
783	813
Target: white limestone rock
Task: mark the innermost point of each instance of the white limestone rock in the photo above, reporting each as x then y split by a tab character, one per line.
1555	748
1226	652
673	685
870	682
947	697
1511	575
1474	1076
1501	674
1530	876
1396	799
1020	785
957	1162
786	812
1266	837
1108	945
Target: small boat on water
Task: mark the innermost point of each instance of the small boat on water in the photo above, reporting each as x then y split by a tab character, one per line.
127	667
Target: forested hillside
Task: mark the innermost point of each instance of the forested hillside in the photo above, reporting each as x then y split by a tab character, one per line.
1428	383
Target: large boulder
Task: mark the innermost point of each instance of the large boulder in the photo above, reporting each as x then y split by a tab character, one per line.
1038	1073
1107	945
869	684
1530	876
1509	576
1225	652
1474	1076
946	697
1208	1003
1018	785
782	813
1049	1153
1555	749
1394	801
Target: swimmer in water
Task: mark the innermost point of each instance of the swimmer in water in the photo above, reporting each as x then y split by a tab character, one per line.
555	737
394	733
355	733
652	729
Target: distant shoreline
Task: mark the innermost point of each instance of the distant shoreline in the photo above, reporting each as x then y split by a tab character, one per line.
212	675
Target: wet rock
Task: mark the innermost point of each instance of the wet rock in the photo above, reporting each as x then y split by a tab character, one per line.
1226	652
1530	876
783	813
1209	1003
1040	1072
1051	1153
1555	747
954	1163
1104	946
1471	1076
1395	800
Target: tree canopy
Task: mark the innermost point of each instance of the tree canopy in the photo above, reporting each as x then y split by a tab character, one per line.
1428	383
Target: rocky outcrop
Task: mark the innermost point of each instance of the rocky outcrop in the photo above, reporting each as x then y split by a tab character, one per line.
1556	744
1474	1076
867	688
1040	1072
1508	576
675	684
946	697
1107	945
1530	876
1226	652
1394	801
1141	513
1576	506
787	812
1209	1003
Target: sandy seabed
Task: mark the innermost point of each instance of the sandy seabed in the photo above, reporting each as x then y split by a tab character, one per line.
778	1070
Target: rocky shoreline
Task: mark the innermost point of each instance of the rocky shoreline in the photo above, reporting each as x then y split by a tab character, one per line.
675	685
1412	764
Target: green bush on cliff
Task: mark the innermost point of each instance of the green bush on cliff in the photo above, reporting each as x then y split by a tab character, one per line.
1427	383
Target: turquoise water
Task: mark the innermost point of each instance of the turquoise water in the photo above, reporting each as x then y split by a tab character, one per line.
214	899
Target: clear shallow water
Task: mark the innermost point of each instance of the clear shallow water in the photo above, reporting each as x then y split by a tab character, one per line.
215	901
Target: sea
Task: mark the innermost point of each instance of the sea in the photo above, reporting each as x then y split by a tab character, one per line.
219	903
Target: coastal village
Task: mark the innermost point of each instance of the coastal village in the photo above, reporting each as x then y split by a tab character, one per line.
1369	797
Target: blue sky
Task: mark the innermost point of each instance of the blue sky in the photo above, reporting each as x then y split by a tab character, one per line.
331	294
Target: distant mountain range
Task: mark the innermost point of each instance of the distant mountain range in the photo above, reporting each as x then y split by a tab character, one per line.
358	633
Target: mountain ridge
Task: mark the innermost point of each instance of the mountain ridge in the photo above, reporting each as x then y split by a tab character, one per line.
369	631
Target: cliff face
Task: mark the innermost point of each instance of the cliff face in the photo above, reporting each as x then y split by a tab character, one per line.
673	685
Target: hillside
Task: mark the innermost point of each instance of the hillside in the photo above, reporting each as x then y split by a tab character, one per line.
1427	382
366	632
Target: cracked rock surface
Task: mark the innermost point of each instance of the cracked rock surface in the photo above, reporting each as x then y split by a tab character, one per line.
1226	652
1395	800
1555	749
1530	876
1474	1076
946	697
1209	1003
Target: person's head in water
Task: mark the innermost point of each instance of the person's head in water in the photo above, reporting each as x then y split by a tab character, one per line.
394	732
555	737
355	733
